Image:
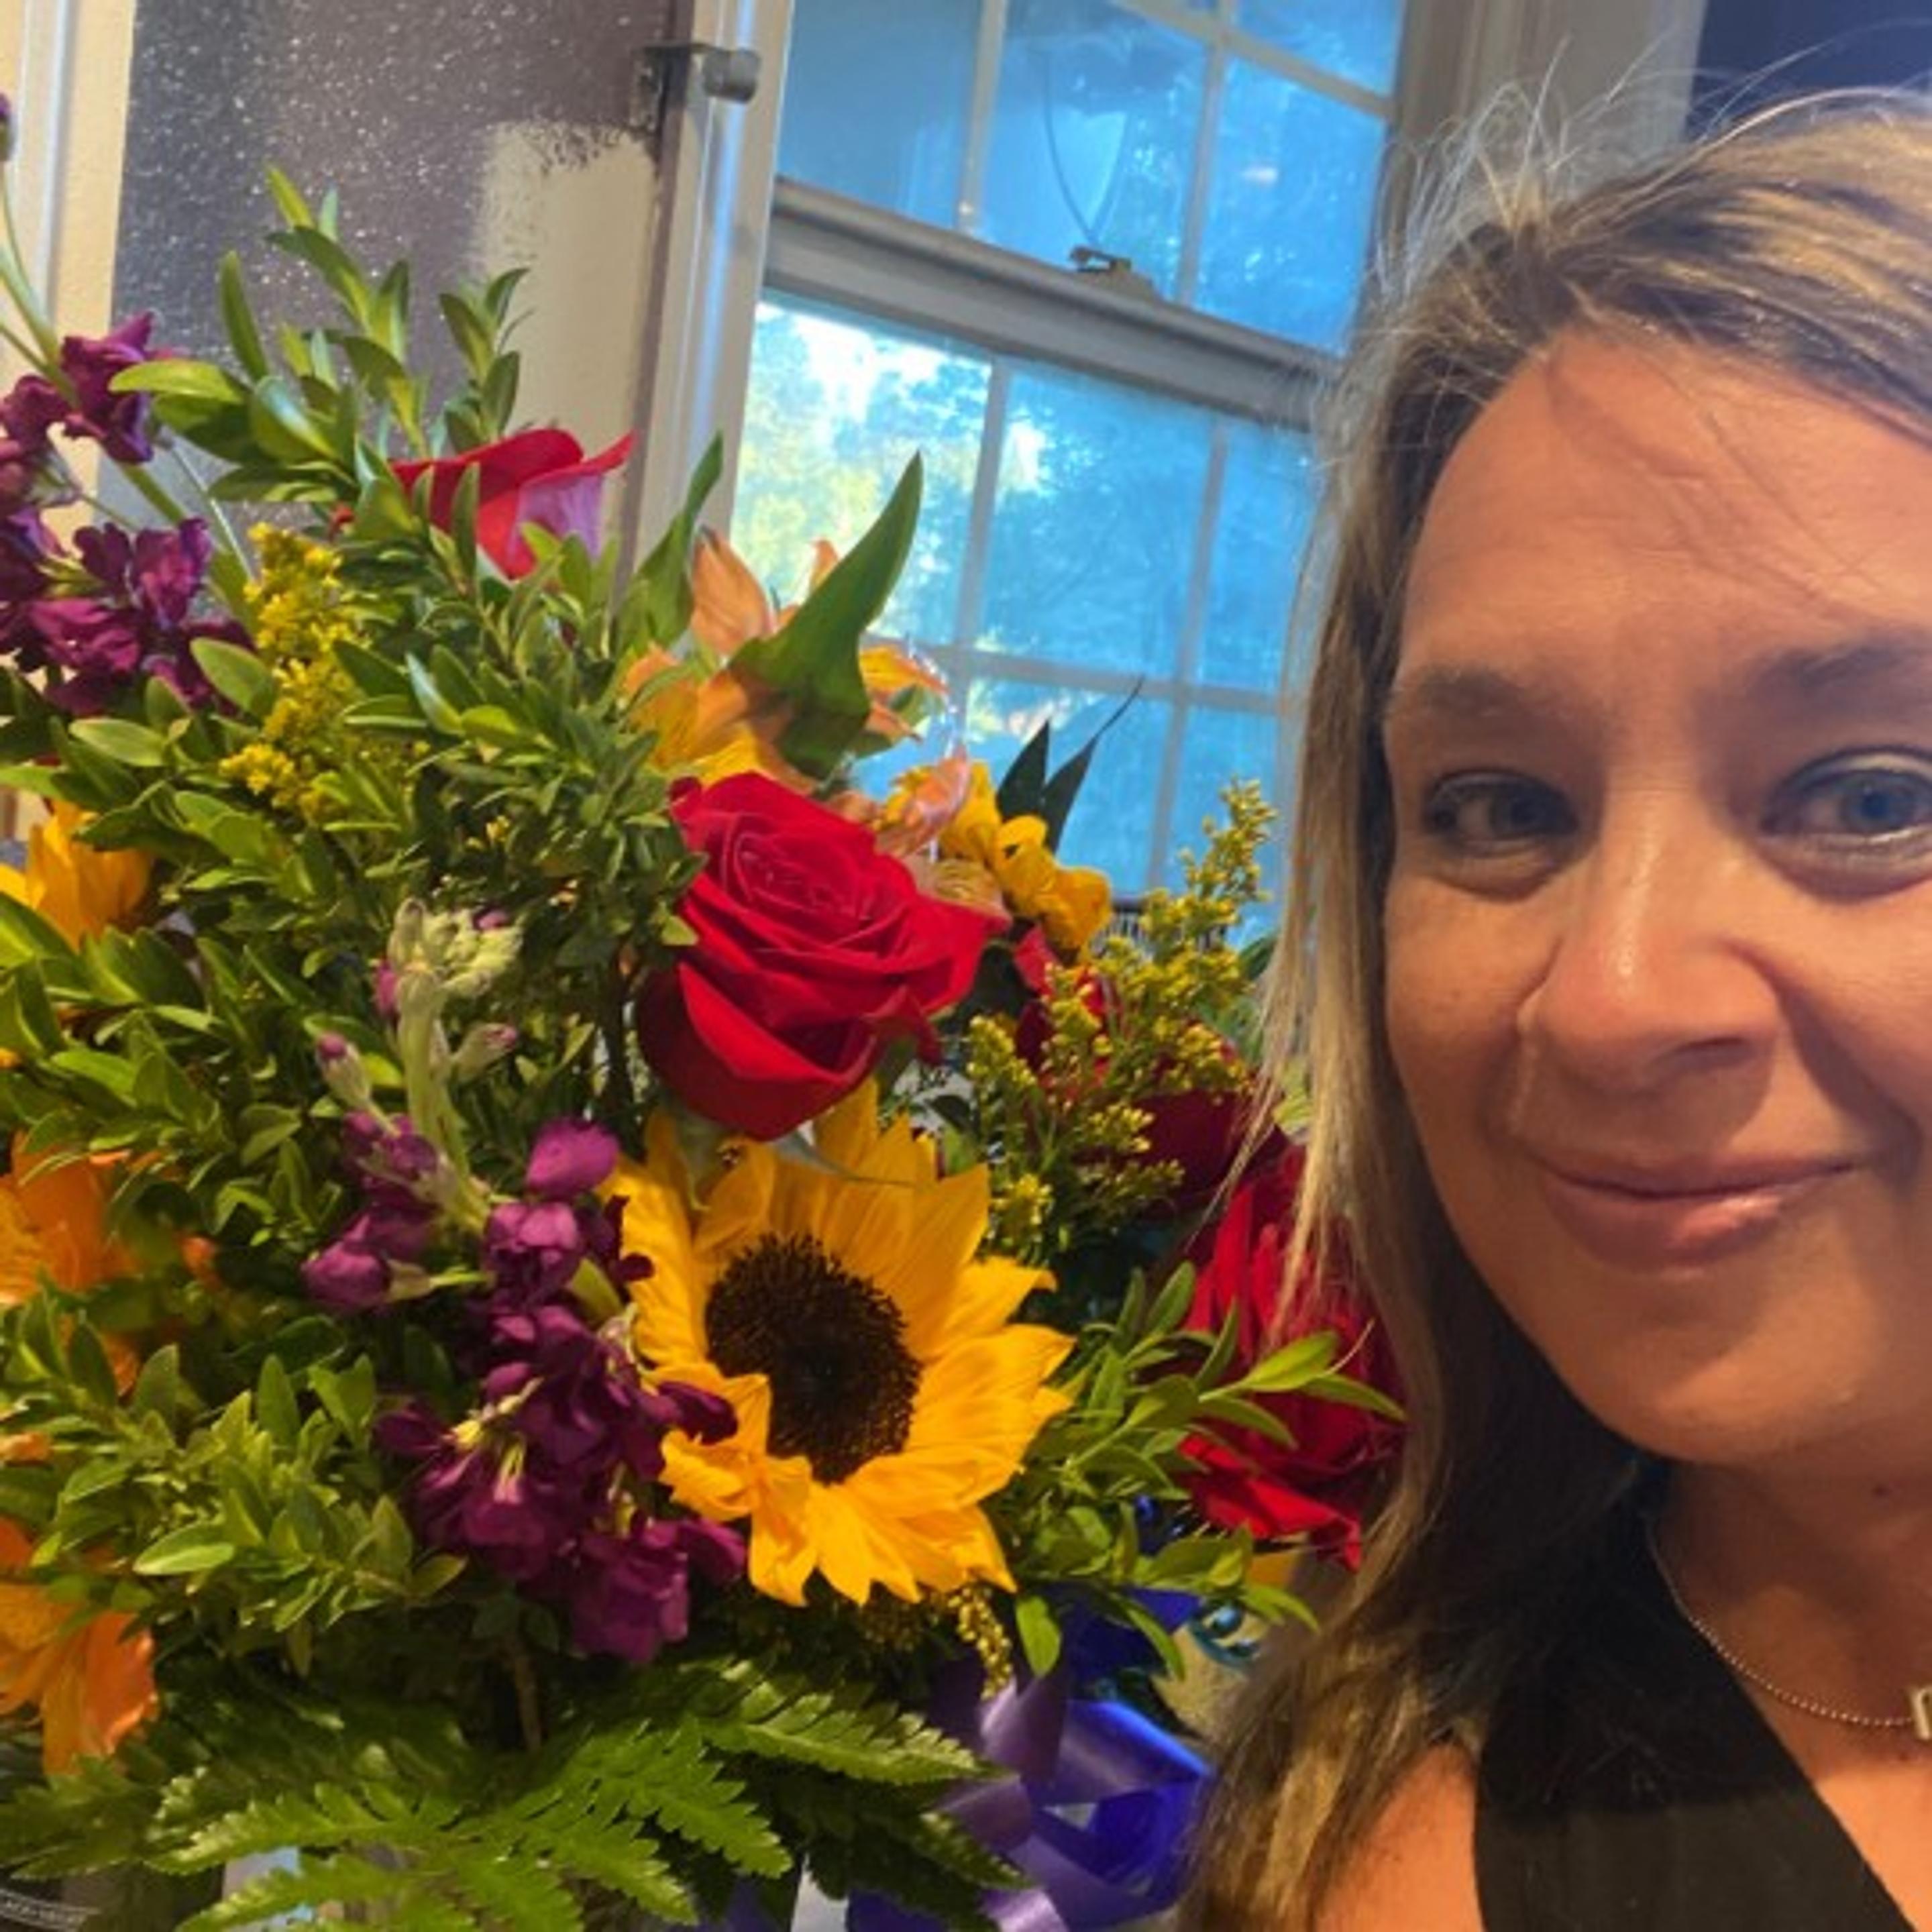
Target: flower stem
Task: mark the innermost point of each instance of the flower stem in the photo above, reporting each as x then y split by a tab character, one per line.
523	1680
13	277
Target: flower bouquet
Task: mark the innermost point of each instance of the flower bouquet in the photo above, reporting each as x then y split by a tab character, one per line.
596	1316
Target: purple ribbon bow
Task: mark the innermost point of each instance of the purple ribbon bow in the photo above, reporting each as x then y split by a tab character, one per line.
1096	1814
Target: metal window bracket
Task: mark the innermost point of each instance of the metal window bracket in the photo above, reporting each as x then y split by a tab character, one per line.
661	73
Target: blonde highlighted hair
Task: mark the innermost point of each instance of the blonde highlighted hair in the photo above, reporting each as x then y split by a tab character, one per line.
1800	241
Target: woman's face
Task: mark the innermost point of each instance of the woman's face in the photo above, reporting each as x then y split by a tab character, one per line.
1659	923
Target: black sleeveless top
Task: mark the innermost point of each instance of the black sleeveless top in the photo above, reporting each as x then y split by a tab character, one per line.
1629	1785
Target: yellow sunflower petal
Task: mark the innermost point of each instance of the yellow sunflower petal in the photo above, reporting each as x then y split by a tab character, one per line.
856	1550
781	1557
989	1393
669	1325
968	1537
946	1296
739	1209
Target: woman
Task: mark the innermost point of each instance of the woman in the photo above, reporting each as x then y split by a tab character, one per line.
1617	812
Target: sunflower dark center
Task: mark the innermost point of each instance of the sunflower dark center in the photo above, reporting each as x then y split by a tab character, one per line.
831	1345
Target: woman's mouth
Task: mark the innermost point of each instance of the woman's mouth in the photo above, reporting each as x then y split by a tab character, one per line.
1660	1216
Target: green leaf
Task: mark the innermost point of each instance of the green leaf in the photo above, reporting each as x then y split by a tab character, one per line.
436	710
330	260
238	318
282	424
1291	1368
1354	1394
656	608
125	742
185	1552
29	1027
181	376
158	1388
26	1494
239	675
1039	1632
26	936
87	1362
814	660
1020	790
290	203
275	1406
476	340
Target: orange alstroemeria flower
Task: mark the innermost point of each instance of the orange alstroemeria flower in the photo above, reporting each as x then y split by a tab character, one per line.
91	1678
80	892
730	721
53	1227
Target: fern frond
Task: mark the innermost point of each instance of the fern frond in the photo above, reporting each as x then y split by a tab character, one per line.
386	1897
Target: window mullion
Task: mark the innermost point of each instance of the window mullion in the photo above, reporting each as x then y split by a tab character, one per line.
1201	188
970	618
986	60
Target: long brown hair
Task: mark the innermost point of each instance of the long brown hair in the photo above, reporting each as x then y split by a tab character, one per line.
1802	241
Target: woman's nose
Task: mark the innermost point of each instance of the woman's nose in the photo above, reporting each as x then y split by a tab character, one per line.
1654	965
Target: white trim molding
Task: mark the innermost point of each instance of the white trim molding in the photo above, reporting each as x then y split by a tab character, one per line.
715	167
66	64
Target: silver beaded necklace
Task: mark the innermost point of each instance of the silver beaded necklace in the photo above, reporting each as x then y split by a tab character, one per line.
1917	1719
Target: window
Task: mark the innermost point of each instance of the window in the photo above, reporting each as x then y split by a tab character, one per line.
1118	476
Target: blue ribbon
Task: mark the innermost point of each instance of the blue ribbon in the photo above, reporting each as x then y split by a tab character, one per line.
1096	1813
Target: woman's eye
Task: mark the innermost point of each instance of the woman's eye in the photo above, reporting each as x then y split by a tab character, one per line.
1857	804
1479	810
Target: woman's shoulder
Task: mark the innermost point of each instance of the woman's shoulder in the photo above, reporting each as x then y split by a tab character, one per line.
1415	1869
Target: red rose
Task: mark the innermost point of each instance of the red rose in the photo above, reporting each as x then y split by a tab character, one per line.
814	948
539	476
1318	1488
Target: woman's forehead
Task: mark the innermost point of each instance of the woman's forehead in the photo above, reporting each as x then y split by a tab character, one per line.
1655	486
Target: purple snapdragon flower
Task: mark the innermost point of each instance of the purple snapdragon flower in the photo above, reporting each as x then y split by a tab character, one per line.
628	1595
477	1493
580	1403
29	473
532	1248
377	1253
117	422
542	1484
571	1157
137	622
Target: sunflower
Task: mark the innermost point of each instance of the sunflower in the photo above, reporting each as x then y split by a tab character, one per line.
882	1393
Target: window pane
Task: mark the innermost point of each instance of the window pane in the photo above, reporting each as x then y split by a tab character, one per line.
877	97
1293	195
836	409
1111	825
1093	526
1216	747
1267	502
1357	38
1094	134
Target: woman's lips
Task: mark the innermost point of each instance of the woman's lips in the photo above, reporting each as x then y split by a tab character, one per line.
1659	1218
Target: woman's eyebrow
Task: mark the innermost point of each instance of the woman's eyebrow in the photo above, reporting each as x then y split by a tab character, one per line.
1465	694
1894	665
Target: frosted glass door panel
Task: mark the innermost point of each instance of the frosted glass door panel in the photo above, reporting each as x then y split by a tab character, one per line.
470	134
